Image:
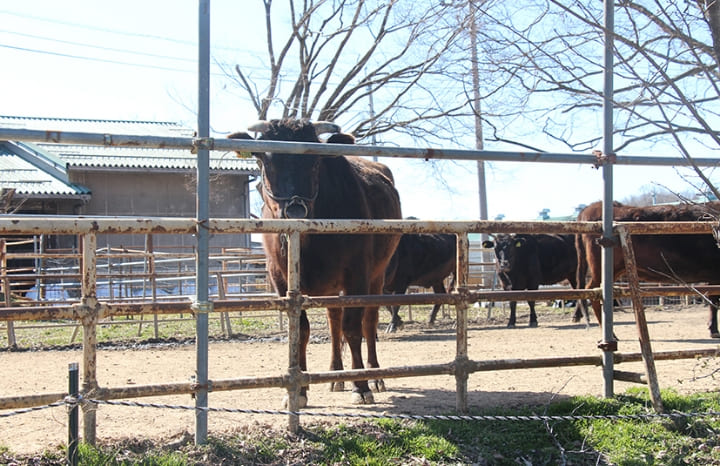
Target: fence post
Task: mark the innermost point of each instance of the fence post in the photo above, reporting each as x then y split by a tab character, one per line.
6	291
294	311
73	385
90	317
461	356
640	321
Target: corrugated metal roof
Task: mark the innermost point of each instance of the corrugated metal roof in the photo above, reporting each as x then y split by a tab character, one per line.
123	157
28	180
98	157
145	128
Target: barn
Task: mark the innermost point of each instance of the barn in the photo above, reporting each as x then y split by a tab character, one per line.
61	179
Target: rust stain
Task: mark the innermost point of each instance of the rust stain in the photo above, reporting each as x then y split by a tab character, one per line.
53	136
429	154
530	157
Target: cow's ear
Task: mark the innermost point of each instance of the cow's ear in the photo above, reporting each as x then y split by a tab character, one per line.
487	244
241	135
340	138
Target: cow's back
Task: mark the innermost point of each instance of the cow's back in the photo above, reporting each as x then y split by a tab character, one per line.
558	258
421	260
690	258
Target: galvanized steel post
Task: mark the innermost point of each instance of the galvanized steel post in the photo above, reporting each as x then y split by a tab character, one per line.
607	216
73	385
202	305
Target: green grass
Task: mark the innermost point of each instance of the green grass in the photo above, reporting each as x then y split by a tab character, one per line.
658	441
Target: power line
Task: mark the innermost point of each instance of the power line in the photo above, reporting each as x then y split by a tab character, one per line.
98	47
96	28
113	31
95	59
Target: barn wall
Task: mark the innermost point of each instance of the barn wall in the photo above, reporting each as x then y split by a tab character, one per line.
162	194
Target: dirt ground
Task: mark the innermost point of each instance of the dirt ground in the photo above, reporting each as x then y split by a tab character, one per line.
672	328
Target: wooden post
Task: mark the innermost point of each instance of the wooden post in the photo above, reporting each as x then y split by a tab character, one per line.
293	293
224	316
461	356
640	321
6	291
89	320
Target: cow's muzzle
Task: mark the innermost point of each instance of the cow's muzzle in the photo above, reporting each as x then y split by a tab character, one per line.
504	266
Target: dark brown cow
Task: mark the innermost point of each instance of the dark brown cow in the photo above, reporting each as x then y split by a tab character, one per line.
525	262
676	259
422	260
322	187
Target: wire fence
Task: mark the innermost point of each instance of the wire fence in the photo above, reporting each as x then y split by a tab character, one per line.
71	402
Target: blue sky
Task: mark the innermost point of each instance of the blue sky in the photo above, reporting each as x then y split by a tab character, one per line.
137	61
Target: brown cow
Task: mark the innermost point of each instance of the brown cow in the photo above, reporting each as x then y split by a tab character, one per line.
676	259
301	186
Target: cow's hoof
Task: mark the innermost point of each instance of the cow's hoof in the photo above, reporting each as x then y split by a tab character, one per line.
366	398
302	401
377	385
391	328
533	324
337	386
510	325
714	335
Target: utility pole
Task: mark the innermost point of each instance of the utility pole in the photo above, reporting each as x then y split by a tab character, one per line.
482	188
373	140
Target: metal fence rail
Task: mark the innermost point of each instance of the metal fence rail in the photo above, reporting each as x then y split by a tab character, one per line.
90	310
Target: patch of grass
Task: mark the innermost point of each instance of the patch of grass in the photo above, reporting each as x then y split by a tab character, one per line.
382	442
659	441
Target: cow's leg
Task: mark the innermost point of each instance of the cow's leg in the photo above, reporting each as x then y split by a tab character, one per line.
533	316
369	325
511	320
712	321
334	316
395	320
581	311
437	288
302	354
352	321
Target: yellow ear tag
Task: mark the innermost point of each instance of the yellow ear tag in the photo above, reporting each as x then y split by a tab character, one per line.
518	244
243	155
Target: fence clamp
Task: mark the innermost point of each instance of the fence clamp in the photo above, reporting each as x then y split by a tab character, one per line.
608	345
204	307
202	143
603	159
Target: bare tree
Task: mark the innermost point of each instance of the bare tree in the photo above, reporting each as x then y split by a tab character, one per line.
543	60
331	56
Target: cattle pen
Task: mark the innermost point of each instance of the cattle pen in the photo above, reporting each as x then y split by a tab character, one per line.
89	309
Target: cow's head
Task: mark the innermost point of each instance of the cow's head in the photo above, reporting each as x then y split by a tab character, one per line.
290	182
507	248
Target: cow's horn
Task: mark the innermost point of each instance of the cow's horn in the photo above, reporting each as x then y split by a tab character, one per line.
322	127
259	126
